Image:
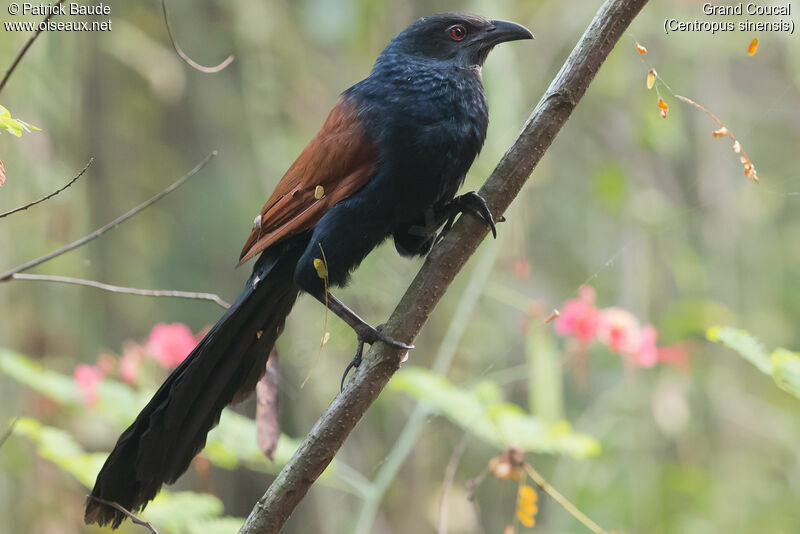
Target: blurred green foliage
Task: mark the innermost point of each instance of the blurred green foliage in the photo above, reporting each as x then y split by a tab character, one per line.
655	214
480	410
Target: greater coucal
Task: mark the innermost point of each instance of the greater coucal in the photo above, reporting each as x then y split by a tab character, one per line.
388	161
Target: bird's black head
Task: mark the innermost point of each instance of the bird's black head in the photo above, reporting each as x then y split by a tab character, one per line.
458	38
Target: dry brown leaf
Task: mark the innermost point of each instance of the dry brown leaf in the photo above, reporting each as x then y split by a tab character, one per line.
268	428
508	465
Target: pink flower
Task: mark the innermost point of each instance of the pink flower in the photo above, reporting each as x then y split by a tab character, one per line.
105	363
677	355
522	268
170	344
647	353
87	377
619	330
130	361
579	317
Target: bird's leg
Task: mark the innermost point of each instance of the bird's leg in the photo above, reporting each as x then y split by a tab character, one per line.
366	333
471	203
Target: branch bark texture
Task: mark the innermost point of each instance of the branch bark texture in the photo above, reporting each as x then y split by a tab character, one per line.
441	267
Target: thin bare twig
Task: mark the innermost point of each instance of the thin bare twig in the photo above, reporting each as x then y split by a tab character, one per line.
110	226
189	61
563	501
449	475
121	289
749	169
149	526
27	46
51	195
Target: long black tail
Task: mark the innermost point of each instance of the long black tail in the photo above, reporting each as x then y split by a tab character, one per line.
223	368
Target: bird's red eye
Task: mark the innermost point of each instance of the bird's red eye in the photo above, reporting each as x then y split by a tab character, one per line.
457	32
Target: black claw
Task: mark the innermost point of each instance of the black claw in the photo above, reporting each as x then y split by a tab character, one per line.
476	205
365	332
473	204
354	363
370	336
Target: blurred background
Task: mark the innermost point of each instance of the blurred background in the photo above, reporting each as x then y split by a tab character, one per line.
656	215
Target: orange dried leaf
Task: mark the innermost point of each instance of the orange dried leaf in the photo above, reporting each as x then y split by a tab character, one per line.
664	107
639	48
722	132
651	78
752	47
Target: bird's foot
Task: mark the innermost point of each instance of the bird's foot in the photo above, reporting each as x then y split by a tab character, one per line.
473	204
368	334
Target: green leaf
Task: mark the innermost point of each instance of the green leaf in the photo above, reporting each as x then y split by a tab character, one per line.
58	446
176	511
230	445
461	406
14	126
182	512
545	392
480	411
786	370
233	444
744	344
32	374
220	525
782	365
119	402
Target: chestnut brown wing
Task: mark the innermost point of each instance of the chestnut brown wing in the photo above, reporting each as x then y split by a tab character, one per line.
334	165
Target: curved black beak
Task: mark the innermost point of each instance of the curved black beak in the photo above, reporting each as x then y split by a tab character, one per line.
502	31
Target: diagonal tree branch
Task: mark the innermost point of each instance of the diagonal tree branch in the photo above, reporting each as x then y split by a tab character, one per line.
51	195
441	267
